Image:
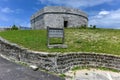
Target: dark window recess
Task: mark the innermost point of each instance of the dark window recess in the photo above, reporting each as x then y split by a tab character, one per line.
65	24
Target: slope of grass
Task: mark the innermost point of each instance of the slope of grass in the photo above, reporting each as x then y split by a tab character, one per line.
78	40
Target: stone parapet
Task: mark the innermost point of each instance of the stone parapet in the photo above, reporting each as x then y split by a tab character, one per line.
58	9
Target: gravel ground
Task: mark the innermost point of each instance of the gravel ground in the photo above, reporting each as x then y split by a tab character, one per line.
92	74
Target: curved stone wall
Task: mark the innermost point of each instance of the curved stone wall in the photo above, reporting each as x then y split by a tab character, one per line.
67	61
56	17
57	62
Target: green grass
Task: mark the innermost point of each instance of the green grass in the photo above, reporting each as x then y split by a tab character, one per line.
108	69
62	75
78	40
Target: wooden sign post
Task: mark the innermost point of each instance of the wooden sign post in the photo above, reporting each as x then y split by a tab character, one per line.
55	33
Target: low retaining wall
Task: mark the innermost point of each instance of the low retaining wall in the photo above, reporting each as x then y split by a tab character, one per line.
57	62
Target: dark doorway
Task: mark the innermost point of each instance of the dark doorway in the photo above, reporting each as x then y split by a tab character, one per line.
65	24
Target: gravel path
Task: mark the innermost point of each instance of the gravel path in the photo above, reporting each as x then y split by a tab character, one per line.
93	74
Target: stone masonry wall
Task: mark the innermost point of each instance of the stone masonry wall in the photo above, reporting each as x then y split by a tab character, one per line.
57	20
55	17
15	52
57	62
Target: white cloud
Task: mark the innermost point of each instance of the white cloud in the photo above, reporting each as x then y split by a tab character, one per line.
7	10
75	3
104	13
6	15
106	19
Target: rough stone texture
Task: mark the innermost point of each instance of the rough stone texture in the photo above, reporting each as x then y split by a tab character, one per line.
58	46
55	17
57	62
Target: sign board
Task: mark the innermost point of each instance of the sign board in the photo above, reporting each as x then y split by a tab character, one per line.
55	33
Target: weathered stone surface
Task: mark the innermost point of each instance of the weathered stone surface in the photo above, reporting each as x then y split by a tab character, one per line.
34	67
58	46
57	62
55	17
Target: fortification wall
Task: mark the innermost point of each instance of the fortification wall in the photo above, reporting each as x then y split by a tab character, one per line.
58	9
57	62
57	20
55	17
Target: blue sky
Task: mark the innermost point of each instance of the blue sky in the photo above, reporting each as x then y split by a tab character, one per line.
102	13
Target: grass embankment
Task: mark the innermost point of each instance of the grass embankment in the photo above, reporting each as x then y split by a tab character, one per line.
78	40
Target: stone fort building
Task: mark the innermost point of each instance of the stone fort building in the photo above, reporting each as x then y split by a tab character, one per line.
58	17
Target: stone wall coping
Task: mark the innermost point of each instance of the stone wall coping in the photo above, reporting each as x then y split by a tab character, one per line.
65	53
37	52
63	9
